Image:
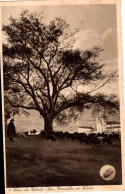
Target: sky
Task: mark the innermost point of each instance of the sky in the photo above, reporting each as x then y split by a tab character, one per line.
97	26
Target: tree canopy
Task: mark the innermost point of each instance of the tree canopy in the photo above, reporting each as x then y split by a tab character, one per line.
43	71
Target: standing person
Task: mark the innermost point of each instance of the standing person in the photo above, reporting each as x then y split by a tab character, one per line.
11	133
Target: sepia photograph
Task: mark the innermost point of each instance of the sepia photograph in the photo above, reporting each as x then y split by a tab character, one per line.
62	95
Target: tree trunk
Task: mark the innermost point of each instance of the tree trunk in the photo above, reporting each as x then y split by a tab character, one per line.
48	123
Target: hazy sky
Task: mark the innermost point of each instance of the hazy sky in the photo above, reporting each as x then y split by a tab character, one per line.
97	26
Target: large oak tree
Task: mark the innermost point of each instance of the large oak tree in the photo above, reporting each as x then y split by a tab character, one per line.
43	71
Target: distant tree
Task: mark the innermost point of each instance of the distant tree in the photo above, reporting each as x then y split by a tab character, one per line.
9	110
33	131
47	74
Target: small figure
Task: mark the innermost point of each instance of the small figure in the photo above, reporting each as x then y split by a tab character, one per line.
11	133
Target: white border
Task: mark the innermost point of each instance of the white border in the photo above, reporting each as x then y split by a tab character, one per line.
73	2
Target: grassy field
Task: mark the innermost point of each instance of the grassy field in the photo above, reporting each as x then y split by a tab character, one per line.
38	163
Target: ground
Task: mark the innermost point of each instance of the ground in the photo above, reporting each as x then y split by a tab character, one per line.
34	162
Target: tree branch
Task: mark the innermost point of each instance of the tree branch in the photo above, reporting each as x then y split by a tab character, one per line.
20	106
97	87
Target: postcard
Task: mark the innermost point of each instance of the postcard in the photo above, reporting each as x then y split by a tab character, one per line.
62	96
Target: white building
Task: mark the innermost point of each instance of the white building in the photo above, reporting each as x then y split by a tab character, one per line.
107	126
100	124
85	129
113	126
